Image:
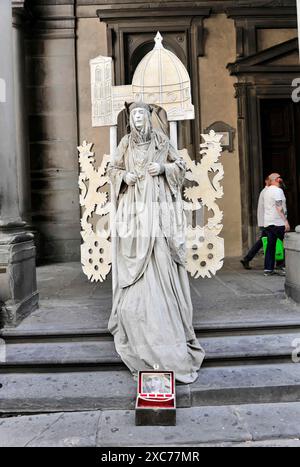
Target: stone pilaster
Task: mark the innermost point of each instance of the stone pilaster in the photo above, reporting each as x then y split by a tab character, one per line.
18	293
9	199
52	97
20	17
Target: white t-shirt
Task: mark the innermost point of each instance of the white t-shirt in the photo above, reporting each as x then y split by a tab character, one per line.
271	216
260	208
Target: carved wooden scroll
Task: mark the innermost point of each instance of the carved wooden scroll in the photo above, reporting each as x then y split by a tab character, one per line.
205	247
94	199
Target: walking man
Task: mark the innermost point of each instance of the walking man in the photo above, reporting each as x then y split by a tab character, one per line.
260	222
275	219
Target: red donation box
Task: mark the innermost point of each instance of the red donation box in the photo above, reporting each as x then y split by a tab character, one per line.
156	401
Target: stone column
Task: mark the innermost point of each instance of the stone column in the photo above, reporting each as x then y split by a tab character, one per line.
18	294
292	260
22	140
9	202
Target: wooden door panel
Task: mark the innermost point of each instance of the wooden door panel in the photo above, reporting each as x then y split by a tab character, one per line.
280	148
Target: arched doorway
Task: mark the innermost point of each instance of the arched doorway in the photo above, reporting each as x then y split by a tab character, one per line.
280	144
267	127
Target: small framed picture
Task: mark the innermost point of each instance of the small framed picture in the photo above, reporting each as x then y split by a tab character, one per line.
156	383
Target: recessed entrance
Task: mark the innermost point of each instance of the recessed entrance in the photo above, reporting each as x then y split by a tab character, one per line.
280	137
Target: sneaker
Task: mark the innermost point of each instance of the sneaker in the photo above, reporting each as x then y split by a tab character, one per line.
245	264
269	273
281	272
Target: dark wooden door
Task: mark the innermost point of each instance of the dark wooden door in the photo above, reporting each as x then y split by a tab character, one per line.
280	148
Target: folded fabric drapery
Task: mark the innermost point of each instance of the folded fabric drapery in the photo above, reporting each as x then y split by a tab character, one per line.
151	317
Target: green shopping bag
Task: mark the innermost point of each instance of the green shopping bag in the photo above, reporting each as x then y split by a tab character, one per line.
279	253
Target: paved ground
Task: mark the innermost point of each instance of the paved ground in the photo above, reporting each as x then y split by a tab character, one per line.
246	425
69	301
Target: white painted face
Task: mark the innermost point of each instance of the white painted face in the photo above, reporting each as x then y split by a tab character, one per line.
156	383
138	116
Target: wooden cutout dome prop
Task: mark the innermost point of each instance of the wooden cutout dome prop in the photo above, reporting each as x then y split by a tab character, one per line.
161	78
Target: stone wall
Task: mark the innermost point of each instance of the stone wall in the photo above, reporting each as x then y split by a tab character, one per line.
91	42
269	37
218	103
52	97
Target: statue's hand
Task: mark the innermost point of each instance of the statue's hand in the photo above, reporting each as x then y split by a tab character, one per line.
130	178
155	169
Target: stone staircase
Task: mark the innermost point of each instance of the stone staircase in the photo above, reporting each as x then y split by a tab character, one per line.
62	358
82	371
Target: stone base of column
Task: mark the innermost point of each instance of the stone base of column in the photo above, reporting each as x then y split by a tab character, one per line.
292	259
18	288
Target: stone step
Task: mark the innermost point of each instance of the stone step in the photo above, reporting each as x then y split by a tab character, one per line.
205	328
101	351
50	391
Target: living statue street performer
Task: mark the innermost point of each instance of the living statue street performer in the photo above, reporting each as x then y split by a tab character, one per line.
151	317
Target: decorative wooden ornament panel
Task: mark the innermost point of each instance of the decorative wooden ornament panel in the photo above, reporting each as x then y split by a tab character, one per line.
94	199
205	248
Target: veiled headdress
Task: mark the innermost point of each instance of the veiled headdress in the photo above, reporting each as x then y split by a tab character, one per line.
144	134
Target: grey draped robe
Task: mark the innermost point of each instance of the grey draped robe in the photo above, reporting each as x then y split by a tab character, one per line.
151	318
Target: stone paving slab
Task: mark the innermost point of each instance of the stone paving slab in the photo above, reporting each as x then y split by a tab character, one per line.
193	426
247	426
59	429
205	425
263	424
